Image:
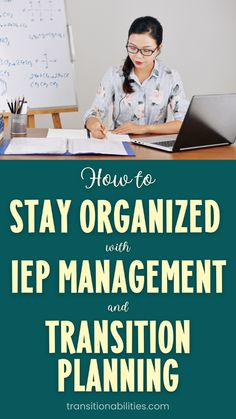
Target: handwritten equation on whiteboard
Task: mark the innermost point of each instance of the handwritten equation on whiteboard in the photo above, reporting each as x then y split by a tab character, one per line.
35	56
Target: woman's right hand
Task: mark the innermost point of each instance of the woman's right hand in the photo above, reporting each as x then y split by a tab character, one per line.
97	128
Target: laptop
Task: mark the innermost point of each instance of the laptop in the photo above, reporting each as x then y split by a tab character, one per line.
210	121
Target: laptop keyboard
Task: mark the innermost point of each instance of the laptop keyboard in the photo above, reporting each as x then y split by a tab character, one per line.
167	143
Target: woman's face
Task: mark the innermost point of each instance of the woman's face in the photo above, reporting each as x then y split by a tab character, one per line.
147	44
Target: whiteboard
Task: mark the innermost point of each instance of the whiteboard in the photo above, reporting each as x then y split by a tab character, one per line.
36	54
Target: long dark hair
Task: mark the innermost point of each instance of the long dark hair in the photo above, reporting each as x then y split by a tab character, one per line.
146	24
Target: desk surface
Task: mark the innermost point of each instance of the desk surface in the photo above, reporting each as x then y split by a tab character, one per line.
142	153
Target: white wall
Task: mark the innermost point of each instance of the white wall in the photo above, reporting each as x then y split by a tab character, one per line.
199	41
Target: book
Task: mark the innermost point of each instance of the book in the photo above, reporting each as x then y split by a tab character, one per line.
65	146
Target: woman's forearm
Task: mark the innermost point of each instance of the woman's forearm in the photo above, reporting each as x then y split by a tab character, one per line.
171	127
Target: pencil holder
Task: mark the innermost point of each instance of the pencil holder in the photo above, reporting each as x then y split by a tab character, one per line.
18	123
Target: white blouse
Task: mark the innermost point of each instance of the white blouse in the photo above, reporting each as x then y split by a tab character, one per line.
149	102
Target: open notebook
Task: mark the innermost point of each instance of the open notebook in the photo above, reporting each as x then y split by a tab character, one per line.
66	146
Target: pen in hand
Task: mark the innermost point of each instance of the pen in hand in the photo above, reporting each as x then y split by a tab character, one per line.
95	127
103	128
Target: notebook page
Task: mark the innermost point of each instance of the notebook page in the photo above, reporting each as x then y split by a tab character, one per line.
118	137
82	134
27	145
90	146
67	133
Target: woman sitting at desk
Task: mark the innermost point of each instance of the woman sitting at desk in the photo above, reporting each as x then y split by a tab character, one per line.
141	90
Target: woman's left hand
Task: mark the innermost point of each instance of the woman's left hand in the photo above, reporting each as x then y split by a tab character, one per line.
130	128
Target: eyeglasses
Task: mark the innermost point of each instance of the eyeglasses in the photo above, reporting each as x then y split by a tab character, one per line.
144	51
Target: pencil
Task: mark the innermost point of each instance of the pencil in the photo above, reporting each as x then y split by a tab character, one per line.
21	105
10	106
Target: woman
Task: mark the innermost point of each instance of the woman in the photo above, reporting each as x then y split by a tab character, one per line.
141	90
